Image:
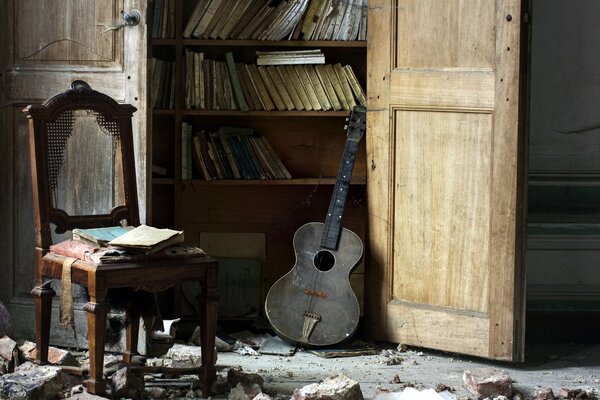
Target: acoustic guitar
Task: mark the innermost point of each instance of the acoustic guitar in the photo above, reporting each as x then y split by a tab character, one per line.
313	304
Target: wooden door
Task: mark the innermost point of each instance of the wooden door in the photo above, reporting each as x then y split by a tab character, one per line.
45	45
445	183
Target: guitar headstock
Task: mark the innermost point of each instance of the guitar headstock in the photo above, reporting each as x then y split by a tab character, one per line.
357	123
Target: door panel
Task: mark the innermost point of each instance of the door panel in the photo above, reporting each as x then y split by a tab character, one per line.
45	46
443	143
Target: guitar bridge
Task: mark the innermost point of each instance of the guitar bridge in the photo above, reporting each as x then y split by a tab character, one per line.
310	321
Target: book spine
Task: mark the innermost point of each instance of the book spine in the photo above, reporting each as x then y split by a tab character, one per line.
235	82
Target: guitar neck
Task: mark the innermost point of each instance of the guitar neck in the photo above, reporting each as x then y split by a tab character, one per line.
333	222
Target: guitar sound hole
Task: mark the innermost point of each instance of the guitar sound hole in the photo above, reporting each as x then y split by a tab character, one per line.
324	260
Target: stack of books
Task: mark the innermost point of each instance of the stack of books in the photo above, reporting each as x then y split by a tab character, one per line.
230	153
290	85
163	19
163	83
278	20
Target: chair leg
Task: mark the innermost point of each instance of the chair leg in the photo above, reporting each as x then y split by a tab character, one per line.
133	329
43	313
96	316
208	302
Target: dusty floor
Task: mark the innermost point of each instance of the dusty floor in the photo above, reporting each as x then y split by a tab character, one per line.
572	366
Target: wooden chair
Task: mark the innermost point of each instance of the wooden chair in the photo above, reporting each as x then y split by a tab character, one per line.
73	135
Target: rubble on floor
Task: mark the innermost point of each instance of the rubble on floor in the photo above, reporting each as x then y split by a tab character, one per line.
304	375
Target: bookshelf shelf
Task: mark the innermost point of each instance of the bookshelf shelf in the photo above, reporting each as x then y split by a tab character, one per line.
309	143
358	180
268	114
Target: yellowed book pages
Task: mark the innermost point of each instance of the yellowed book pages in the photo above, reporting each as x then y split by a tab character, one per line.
308	87
290	87
318	86
341	75
355	85
298	86
148	239
276	79
260	87
237	12
266	78
199	10
328	86
337	86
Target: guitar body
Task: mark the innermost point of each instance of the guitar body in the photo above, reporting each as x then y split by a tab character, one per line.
313	304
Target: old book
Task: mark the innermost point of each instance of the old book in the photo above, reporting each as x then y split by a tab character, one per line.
99	236
186	150
231	159
337	19
270	85
229	92
310	18
290	57
221	155
214	156
260	87
319	89
321	19
362	31
249	92
308	87
206	18
269	149
280	86
208	159
199	161
287	17
216	18
190	78
266	167
318	86
237	11
148	239
341	75
291	72
249	15
289	86
199	102
236	83
156	17
156	66
223	18
337	86
197	13
328	86
357	89
259	27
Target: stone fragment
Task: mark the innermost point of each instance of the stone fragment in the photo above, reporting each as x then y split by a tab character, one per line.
124	383
56	356
488	382
7	346
244	392
183	356
236	375
83	395
336	387
32	382
564	393
544	394
262	396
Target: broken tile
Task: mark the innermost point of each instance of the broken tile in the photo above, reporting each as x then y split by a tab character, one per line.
336	387
32	382
56	356
488	382
124	383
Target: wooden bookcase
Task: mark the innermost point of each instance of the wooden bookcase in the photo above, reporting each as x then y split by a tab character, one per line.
310	144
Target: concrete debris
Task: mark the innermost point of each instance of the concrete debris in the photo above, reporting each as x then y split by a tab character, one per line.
56	356
125	383
544	394
410	393
401	348
184	356
155	392
488	382
564	393
236	376
32	382
78	392
262	396
244	392
392	357
336	387
6	325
